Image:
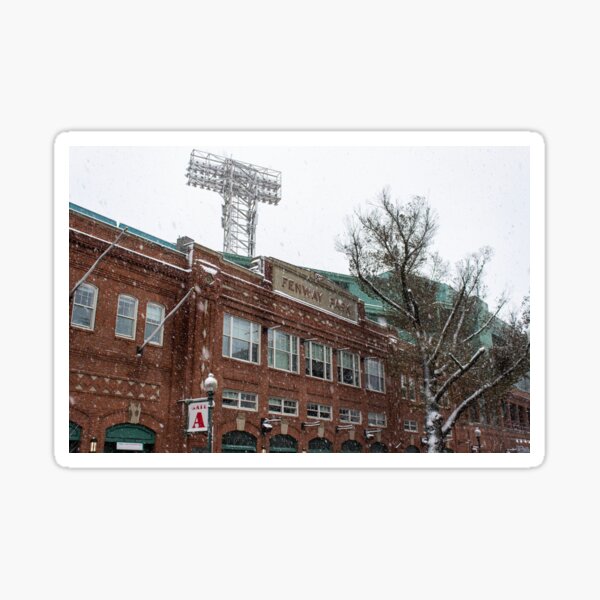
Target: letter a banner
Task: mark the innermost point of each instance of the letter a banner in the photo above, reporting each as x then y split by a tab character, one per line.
197	416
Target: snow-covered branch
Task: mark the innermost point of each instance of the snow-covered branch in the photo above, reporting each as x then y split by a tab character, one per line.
486	324
458	373
453	417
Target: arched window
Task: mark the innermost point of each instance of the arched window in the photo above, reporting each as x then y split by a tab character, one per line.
351	446
129	438
283	443
74	437
238	441
378	447
320	445
412	449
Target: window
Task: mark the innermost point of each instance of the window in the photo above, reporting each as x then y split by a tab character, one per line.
84	306
412	394
155	313
242	400
126	316
283	351
241	339
283	406
318	360
374	374
473	413
403	388
411	426
350	415
348	368
318	411
377	419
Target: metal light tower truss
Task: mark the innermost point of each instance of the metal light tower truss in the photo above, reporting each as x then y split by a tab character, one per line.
242	186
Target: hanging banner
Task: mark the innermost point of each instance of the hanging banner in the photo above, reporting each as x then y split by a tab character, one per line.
197	416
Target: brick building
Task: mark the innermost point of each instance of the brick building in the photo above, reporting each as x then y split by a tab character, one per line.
306	350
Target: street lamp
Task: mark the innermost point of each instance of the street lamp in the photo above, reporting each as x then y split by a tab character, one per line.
210	385
478	436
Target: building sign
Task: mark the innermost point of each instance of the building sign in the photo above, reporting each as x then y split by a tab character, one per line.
135	446
313	289
197	416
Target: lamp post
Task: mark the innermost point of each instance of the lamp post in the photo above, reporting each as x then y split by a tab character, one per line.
478	436
210	385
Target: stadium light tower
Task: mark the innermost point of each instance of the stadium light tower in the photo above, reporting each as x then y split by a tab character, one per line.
242	186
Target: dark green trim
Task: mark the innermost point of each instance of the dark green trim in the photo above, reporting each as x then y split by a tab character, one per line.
74	432
283	443
320	445
130	433
378	447
238	441
238	448
351	446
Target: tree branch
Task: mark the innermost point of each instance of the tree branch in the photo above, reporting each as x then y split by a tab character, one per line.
482	390
458	373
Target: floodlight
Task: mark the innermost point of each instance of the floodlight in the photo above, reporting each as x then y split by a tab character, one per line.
241	186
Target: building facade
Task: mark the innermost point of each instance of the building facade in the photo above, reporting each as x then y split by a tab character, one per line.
300	360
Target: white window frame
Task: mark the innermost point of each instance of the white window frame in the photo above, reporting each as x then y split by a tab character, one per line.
255	330
355	367
293	352
321	410
272	404
380	374
373	419
408	427
308	360
92	307
161	331
127	318
350	417
239	397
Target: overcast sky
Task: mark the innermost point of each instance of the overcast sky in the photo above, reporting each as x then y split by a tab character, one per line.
481	196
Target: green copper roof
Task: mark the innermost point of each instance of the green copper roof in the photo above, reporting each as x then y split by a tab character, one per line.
373	306
132	230
236	259
92	214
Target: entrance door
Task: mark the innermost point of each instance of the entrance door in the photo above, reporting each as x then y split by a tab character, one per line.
351	446
74	437
129	438
283	443
238	441
320	445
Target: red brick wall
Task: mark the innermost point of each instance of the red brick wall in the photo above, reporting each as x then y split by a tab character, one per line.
106	375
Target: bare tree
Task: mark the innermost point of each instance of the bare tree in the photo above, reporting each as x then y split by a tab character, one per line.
389	249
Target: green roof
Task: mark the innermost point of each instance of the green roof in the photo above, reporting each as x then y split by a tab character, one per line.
92	214
373	306
113	223
236	259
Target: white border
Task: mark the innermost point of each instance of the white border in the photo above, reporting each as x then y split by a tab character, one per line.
533	140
